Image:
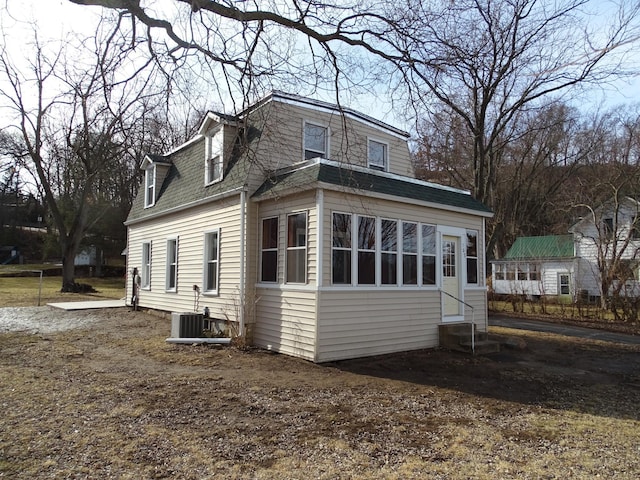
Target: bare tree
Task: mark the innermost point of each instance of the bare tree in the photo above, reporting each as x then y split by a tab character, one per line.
74	117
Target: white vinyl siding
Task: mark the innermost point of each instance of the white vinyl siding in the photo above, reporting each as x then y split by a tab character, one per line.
225	215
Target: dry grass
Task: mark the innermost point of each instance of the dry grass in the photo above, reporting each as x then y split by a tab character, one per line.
118	402
27	291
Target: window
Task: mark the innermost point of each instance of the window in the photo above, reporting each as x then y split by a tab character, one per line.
533	272
564	284
607	228
146	265
389	251
315	141
212	261
378	155
213	157
634	228
366	251
449	258
269	261
472	256
409	253
150	186
297	248
341	249
510	271
499	272
172	264
428	255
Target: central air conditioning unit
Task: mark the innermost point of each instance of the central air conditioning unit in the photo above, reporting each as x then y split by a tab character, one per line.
186	325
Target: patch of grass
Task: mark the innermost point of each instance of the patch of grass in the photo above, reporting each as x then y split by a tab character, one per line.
28	291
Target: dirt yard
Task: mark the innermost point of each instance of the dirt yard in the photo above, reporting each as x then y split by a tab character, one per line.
109	399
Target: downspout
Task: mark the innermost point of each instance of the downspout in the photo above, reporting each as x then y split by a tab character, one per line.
243	203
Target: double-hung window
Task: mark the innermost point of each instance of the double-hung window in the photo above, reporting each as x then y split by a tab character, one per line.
378	155
172	265
213	157
316	141
150	186
428	254
341	248
296	248
409	253
145	280
269	260
366	250
472	257
389	251
212	261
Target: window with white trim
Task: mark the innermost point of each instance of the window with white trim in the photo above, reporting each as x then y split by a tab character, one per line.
366	250
269	252
172	265
341	249
389	251
146	266
409	253
428	254
296	271
213	169
472	257
150	186
378	155
212	261
315	141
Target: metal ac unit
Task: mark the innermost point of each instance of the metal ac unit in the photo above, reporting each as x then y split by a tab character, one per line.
186	325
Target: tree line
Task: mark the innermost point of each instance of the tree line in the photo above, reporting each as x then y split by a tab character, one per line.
489	84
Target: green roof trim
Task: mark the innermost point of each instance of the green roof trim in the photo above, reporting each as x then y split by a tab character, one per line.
549	246
347	176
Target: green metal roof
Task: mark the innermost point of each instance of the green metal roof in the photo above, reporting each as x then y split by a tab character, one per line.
549	246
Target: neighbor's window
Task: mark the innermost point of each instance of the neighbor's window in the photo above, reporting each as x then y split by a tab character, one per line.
522	272
297	248
534	272
366	251
269	262
378	155
213	157
510	271
389	251
150	186
172	264
341	249
635	228
315	141
212	260
409	253
428	254
472	256
145	280
499	271
607	228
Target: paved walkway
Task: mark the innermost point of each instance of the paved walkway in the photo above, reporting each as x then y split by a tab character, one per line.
568	330
88	305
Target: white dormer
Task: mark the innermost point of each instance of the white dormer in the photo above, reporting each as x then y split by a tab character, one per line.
213	129
155	169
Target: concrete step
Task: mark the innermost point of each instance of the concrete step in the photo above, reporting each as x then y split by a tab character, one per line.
482	347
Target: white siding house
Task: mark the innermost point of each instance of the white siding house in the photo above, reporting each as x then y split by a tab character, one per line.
605	244
301	225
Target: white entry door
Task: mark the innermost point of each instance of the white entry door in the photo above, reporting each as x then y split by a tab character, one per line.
451	275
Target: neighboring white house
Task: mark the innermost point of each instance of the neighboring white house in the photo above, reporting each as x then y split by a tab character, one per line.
605	242
301	223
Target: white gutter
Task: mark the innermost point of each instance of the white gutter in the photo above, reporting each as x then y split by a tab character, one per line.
243	204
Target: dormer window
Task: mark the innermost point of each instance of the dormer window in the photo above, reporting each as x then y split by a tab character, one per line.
213	168
378	155
315	141
150	186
